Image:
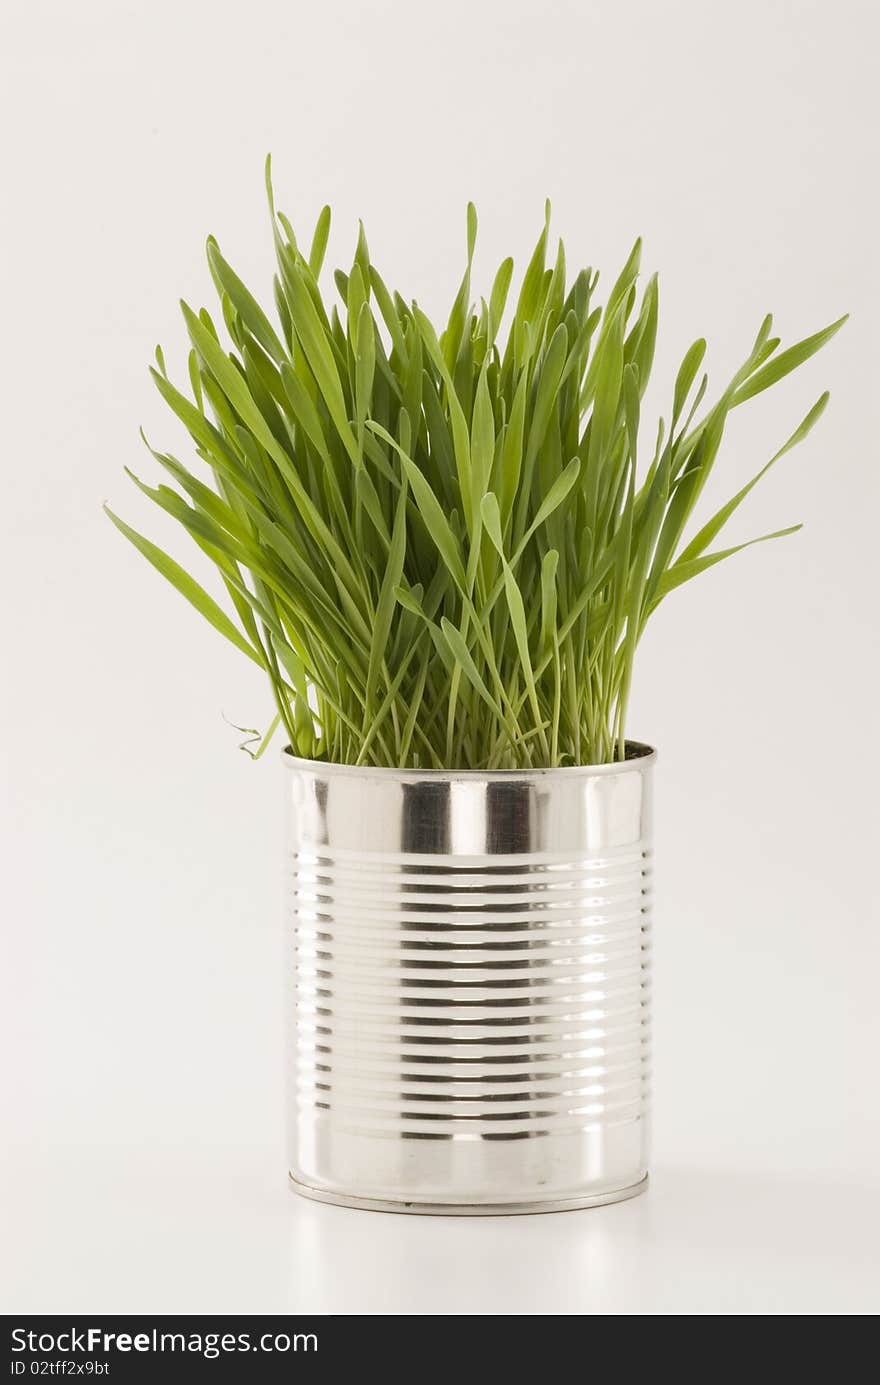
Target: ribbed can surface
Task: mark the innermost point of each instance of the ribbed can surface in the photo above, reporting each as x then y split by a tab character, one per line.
469	978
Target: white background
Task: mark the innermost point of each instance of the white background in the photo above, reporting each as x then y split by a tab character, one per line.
142	1027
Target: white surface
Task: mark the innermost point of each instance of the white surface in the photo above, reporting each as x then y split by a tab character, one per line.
141	888
113	1230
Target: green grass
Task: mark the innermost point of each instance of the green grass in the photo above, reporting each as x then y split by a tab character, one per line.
441	546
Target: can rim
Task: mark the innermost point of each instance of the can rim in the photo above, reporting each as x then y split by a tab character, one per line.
639	756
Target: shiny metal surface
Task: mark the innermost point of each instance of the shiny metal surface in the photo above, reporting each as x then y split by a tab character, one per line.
469	979
468	1209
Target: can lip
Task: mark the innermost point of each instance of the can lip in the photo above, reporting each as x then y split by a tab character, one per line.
639	756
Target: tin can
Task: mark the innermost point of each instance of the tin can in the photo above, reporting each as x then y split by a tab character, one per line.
469	985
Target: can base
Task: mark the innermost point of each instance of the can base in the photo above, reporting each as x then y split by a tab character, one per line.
467	1209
